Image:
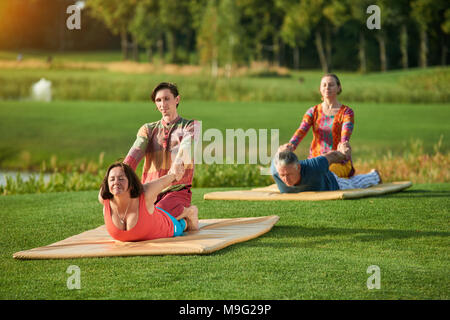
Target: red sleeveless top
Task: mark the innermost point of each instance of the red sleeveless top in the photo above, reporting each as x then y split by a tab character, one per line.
149	226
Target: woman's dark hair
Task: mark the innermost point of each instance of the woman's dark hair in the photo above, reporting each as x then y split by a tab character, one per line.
338	82
165	85
134	184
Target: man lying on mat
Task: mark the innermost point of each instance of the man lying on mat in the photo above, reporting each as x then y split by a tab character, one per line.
293	176
129	210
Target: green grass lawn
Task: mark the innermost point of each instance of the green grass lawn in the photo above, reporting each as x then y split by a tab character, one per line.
81	130
317	250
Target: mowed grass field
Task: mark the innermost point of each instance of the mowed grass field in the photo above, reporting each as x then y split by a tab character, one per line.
317	250
73	131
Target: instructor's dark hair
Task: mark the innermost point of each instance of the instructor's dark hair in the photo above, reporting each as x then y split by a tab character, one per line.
134	184
165	85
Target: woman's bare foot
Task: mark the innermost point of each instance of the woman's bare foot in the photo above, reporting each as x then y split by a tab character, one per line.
191	216
192	219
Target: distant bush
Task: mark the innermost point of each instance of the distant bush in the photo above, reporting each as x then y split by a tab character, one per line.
414	165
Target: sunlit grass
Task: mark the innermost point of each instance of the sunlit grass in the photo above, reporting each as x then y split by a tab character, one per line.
317	250
414	165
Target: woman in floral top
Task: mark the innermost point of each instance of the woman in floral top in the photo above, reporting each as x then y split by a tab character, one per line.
332	124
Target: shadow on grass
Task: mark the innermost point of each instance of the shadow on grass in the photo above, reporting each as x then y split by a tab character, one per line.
418	194
310	237
305	237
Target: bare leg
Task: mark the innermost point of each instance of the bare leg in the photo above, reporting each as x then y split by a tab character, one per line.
191	216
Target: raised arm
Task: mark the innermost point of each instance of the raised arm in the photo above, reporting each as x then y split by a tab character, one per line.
345	148
302	130
137	151
347	125
153	188
191	134
100	199
334	156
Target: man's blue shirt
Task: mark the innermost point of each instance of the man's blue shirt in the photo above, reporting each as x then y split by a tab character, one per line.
315	176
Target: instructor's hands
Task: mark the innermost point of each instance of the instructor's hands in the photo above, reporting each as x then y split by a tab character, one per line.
346	149
284	147
177	169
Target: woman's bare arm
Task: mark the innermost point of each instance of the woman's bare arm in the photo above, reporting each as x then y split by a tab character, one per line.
153	188
334	156
100	199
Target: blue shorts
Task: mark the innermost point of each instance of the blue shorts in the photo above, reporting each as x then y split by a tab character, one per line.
178	225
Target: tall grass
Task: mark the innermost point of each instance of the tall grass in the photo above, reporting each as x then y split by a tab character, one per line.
409	86
413	165
70	177
58	182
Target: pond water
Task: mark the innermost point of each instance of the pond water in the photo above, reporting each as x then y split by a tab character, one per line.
25	176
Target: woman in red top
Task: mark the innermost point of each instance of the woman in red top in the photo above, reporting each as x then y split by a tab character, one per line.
129	210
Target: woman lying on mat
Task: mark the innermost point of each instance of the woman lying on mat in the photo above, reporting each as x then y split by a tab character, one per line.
331	122
129	210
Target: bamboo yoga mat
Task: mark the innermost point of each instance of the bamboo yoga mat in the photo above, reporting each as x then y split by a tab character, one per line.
213	235
271	193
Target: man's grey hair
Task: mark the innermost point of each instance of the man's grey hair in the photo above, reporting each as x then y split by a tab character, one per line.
285	158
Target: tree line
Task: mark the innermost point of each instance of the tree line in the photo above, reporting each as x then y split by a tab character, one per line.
330	34
225	33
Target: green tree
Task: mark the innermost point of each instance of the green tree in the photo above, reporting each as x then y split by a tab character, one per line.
293	32
337	12
218	36
262	21
146	26
302	19
117	16
440	27
424	12
311	14
318	18
400	17
175	19
388	18
229	35
358	16
207	40
445	26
